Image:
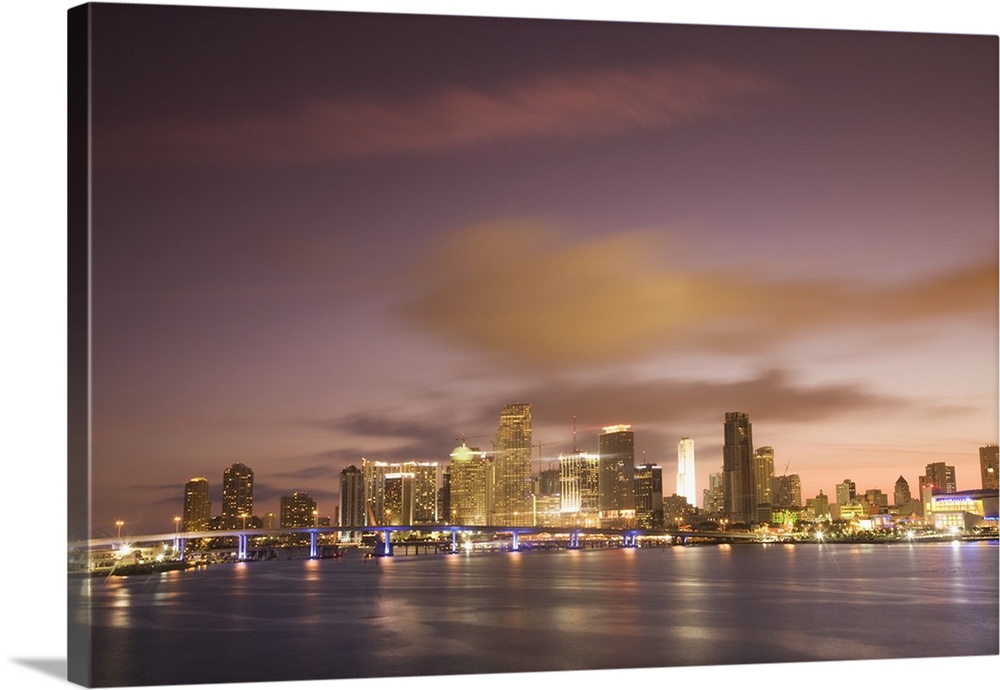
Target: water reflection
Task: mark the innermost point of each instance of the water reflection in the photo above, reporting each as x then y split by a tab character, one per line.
559	610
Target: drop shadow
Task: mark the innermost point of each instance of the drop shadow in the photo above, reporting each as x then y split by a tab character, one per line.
51	667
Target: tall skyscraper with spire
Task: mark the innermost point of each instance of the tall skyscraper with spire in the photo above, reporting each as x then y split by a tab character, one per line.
737	468
685	471
237	495
512	487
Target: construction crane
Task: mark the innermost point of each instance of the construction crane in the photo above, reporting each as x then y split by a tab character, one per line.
463	437
539	446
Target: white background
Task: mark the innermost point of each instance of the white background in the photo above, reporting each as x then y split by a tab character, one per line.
33	335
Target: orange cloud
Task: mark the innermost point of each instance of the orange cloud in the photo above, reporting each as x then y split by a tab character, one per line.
560	105
517	289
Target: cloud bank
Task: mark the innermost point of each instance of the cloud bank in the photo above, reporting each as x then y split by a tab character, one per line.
515	288
556	106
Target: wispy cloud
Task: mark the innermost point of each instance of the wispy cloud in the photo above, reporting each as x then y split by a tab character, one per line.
771	396
517	289
388	436
560	106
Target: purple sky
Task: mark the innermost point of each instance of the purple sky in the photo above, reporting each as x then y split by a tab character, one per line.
322	236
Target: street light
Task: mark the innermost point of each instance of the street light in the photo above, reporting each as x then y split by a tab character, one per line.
244	516
119	524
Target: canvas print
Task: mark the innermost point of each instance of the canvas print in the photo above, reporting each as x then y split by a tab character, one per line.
406	345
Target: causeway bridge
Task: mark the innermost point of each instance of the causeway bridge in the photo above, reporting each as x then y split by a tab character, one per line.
573	537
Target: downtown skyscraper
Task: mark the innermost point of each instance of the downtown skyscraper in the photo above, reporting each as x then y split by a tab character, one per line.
616	449
197	505
685	471
737	468
988	460
763	476
512	482
237	495
579	480
470	487
298	510
352	497
399	493
649	495
940	477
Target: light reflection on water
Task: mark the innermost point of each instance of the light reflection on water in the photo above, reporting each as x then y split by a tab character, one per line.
542	611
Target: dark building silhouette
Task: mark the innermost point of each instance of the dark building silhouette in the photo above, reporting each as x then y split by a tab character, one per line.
444	495
737	468
988	458
548	482
352	497
649	495
786	491
941	477
901	493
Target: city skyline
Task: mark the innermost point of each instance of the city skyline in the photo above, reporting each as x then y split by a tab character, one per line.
36	296
368	248
480	483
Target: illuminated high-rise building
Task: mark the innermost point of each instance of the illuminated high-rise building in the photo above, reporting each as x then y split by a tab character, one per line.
649	496
579	489
237	495
988	458
471	479
399	493
685	471
616	450
941	477
352	497
512	481
298	510
737	468
398	498
197	505
786	491
847	492
373	478
424	492
714	499
763	475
